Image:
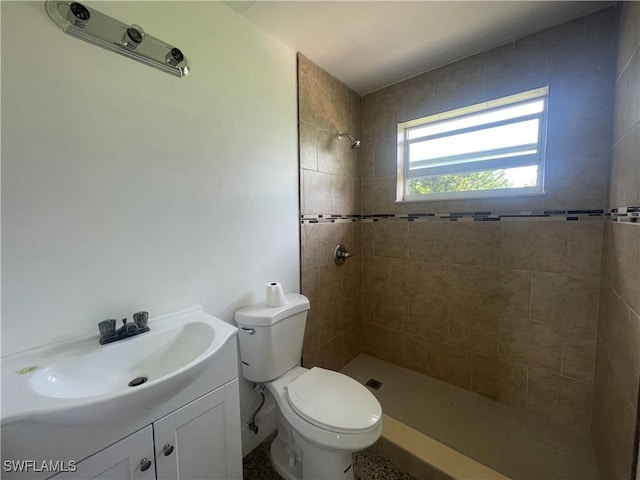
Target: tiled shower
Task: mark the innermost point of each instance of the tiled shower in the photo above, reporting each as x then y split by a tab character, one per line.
531	301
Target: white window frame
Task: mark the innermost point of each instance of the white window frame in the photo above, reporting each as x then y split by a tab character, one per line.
403	175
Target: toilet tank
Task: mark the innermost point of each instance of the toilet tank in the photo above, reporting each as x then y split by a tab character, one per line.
271	337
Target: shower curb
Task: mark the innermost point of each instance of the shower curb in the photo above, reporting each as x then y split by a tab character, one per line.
426	458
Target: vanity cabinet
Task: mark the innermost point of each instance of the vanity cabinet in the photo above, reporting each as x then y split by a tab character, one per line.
198	441
120	461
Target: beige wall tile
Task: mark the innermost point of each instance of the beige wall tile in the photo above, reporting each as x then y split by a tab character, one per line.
348	314
629	36
575	184
624	181
408	351
503	293
316	192
309	282
332	354
366	238
565	300
399	89
584	248
456	85
367	160
378	122
519	73
602	30
319	325
619	337
498	380
375	274
577	91
352	278
356	238
563	399
449	363
312	102
578	354
329	286
368	305
430	241
533	344
478	243
353	343
627	103
622	261
428	319
378	195
435	281
390	239
614	420
345	196
473	329
376	341
313	240
569	33
385	163
414	105
308	135
391	312
534	245
407	278
319	241
461	282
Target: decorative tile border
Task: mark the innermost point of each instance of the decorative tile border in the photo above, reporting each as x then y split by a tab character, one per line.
307	219
625	214
629	214
522	215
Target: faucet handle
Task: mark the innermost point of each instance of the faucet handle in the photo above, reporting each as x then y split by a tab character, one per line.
107	328
141	319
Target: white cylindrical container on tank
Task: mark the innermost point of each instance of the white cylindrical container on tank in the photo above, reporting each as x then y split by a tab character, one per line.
275	296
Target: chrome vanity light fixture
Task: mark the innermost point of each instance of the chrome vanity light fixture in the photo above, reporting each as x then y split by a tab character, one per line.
355	143
131	41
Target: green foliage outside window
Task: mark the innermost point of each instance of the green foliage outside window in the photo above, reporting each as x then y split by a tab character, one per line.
463	182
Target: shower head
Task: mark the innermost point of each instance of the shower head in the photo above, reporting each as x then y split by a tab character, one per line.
355	143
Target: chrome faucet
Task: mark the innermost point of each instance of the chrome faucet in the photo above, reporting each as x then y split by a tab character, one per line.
108	332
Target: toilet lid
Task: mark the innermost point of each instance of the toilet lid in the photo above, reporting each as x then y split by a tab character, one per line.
333	401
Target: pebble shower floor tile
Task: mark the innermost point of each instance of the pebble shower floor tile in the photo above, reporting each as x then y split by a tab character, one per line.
368	466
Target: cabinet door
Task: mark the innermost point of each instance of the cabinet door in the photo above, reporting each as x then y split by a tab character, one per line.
202	439
121	461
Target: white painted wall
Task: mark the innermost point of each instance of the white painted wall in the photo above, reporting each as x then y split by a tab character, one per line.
125	188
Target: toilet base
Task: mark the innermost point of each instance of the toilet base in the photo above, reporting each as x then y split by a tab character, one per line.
294	458
281	461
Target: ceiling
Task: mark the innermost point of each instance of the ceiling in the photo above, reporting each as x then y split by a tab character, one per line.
369	45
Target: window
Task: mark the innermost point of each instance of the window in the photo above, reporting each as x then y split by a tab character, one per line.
490	149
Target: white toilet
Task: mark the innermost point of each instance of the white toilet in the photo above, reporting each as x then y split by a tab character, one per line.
323	416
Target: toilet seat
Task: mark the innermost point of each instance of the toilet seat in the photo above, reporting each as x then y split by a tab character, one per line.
319	436
333	401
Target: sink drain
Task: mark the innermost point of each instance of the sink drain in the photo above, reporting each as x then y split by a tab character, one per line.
137	381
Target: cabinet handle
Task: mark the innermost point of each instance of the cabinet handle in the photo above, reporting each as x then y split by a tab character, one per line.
167	449
145	464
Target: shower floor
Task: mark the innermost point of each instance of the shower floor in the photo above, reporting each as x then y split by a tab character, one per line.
518	444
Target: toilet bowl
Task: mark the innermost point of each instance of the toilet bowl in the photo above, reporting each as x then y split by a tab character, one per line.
327	416
323	416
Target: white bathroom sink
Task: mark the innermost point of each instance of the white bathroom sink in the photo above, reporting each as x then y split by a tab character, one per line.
82	382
